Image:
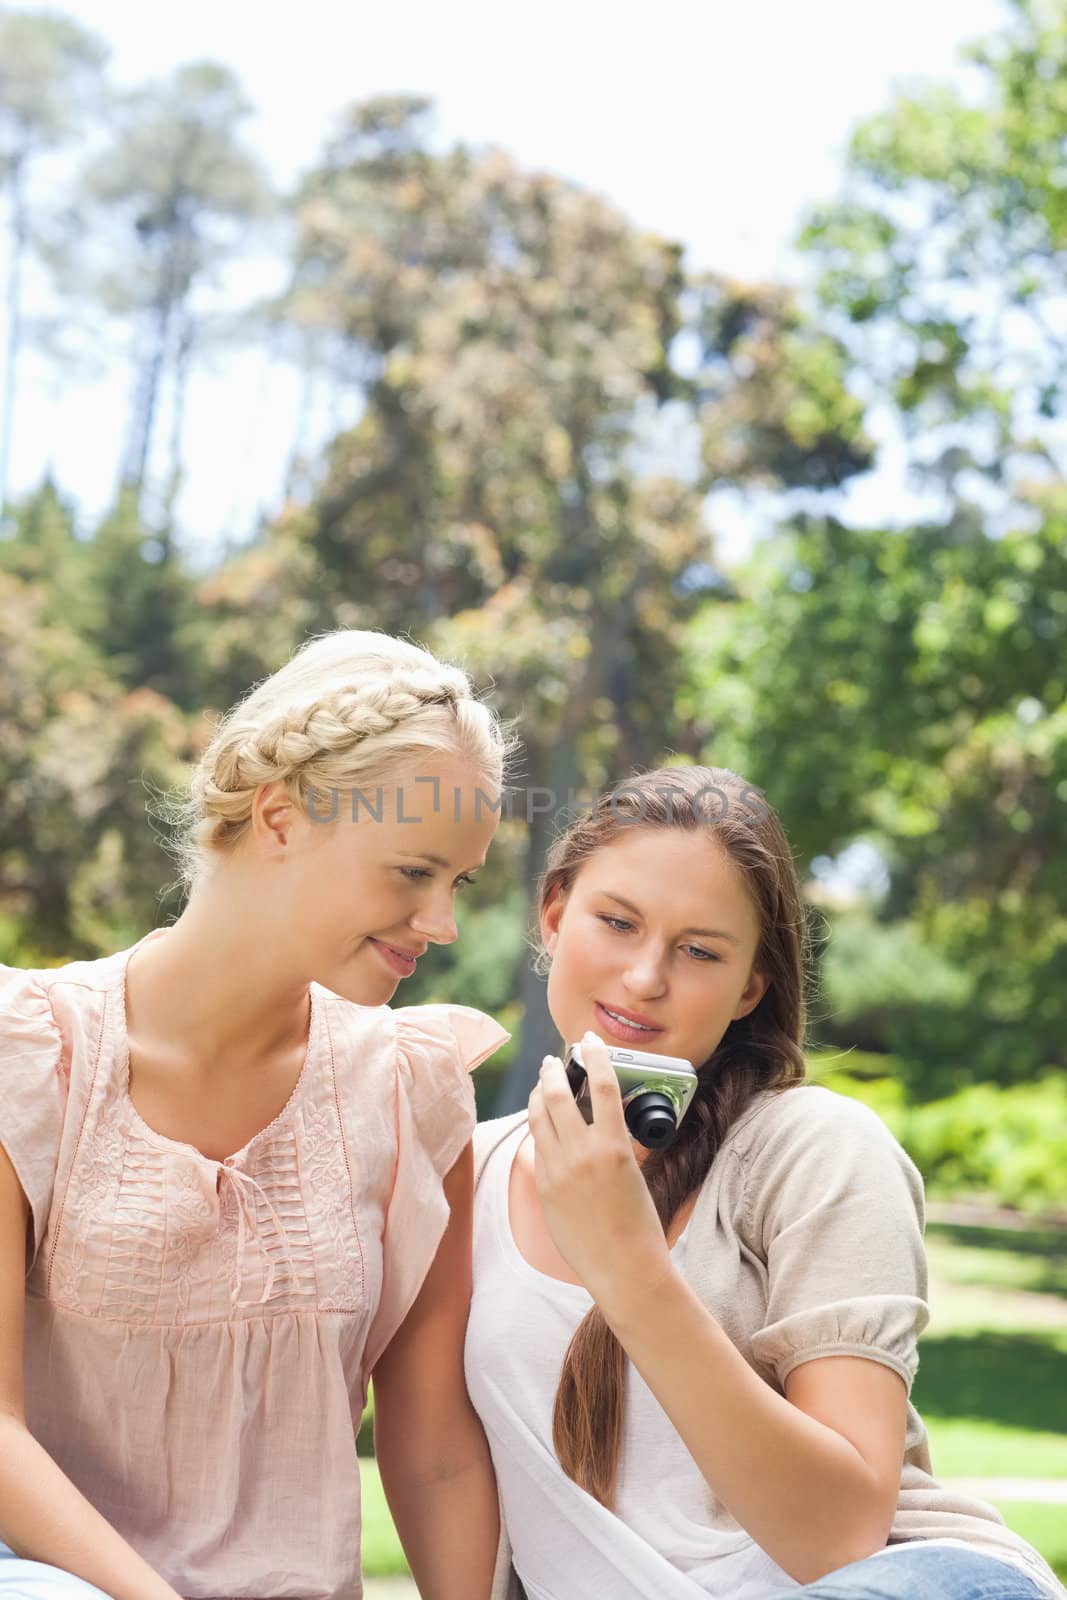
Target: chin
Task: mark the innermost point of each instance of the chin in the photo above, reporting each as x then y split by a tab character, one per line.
359	990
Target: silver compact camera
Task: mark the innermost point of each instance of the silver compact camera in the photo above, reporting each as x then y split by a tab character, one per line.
657	1091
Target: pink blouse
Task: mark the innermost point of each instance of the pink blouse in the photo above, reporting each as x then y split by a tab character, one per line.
200	1334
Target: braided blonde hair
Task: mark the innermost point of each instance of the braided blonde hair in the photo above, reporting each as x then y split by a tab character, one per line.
352	709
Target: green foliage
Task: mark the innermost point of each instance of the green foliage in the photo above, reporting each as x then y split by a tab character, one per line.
365	1436
847	1073
44	550
1005	1145
941	268
871	970
776	407
1010	1143
381	1553
894	988
906	687
79	756
144	600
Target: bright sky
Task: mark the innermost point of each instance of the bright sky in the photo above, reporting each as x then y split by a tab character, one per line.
712	121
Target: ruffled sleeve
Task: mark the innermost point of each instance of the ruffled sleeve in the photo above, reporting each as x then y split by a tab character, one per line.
32	1091
835	1208
437	1048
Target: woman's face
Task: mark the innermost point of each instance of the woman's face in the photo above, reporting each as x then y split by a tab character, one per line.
361	900
653	945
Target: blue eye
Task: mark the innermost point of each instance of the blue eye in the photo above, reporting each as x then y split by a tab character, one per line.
620	925
413	874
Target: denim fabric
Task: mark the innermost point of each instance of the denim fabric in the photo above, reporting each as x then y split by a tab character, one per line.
915	1573
32	1580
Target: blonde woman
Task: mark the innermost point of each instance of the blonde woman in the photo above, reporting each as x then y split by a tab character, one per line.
234	1183
693	1363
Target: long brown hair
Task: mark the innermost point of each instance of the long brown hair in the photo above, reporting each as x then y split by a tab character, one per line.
762	1050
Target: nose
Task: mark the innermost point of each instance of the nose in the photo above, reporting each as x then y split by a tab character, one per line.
437	921
646	975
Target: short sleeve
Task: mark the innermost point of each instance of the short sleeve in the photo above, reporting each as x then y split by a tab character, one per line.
32	1090
437	1048
835	1208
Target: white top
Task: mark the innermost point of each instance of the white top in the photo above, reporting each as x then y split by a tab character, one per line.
795	1261
658	1544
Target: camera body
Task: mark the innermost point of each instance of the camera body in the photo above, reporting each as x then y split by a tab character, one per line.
657	1091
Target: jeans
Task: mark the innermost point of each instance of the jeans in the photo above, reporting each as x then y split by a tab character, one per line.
915	1573
32	1580
909	1574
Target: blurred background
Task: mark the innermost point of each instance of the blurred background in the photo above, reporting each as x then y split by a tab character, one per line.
698	382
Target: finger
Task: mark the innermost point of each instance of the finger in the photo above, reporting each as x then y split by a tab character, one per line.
604	1092
541	1126
546	1146
558	1098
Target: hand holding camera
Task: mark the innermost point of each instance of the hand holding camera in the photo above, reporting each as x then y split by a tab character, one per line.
598	1209
656	1091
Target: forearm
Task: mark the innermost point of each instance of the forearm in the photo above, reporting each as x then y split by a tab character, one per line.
803	1492
43	1517
443	1500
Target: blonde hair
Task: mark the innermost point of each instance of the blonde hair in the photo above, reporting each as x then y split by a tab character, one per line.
350	710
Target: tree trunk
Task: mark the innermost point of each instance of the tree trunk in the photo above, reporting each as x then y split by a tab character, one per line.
309	377
559	775
19	238
146	386
182	363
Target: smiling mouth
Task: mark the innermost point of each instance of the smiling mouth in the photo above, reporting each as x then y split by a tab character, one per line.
398	950
628	1022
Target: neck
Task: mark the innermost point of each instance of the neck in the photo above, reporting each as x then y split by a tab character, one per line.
217	986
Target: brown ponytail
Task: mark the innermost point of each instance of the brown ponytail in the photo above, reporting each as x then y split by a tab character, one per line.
762	1050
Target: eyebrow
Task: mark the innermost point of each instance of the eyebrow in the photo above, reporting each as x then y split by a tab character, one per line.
704	933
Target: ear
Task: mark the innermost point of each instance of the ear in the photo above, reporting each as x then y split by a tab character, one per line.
754	990
550	918
273	818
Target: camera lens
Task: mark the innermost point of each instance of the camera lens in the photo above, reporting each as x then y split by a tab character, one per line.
651	1120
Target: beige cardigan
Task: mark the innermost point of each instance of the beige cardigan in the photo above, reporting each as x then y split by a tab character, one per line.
806	1240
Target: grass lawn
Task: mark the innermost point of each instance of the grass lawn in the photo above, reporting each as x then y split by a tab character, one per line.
1046	1529
382	1555
992	1384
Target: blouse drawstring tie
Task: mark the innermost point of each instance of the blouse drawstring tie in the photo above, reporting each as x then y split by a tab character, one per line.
247	1229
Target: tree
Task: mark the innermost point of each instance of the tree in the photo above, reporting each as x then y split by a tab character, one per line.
50	72
517	339
143	598
181	190
81	871
45	551
903	685
942	266
912	687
